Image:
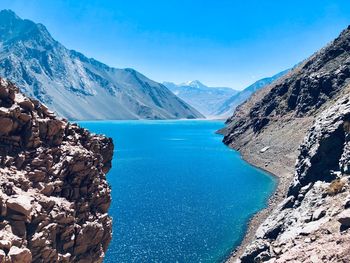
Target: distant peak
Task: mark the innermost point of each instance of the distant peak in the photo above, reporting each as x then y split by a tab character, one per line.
14	27
195	84
8	13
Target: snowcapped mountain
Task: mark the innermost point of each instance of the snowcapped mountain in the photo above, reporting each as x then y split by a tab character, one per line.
75	86
227	108
206	99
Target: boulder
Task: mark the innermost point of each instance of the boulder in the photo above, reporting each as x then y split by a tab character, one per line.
2	255
20	255
19	228
5	125
347	202
20	204
252	251
344	218
319	213
26	105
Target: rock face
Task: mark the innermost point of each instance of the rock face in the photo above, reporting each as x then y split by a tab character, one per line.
305	116
279	115
54	196
77	87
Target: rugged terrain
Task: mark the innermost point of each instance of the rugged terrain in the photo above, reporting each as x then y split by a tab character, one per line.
298	129
227	107
203	98
54	196
77	87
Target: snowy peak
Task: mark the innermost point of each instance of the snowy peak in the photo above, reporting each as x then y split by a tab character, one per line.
227	108
195	84
205	99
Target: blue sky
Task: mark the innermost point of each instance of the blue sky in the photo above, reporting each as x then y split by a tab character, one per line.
219	42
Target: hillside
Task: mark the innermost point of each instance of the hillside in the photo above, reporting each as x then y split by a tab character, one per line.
205	99
297	128
77	87
229	105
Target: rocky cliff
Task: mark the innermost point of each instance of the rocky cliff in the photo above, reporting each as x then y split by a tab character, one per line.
298	129
54	196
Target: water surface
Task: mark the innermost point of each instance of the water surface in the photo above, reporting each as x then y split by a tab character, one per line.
179	194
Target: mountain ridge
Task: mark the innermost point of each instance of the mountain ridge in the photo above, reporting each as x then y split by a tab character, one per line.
229	105
59	77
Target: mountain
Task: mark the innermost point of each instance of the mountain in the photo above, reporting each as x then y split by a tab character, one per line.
75	86
54	195
205	99
298	128
228	106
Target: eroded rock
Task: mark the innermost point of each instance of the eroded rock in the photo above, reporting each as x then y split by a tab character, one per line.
54	196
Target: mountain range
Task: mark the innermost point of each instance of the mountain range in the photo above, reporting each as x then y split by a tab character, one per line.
205	99
227	107
77	87
218	102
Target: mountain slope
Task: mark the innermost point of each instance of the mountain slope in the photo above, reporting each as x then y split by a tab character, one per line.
75	86
203	98
298	129
228	106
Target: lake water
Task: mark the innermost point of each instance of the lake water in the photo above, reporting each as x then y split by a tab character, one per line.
179	194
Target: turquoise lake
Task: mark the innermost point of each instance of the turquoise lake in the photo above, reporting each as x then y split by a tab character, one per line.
179	194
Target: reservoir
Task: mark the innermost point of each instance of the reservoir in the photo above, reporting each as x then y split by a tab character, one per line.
178	193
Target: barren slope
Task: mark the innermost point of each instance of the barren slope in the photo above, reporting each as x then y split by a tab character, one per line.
269	128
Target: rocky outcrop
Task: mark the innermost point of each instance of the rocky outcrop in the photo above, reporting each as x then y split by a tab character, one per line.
305	116
54	196
312	223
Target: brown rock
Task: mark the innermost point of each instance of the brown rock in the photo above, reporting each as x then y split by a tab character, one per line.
5	244
36	176
24	117
52	185
2	255
5	125
20	255
27	105
54	127
20	204
19	228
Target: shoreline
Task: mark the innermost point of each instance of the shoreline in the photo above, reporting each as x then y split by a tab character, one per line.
283	180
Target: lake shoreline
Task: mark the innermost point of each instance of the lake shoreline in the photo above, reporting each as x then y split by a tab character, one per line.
283	178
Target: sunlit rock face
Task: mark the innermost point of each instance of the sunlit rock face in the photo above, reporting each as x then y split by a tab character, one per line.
54	196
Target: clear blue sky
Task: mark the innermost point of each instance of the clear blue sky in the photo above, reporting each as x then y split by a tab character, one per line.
219	42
